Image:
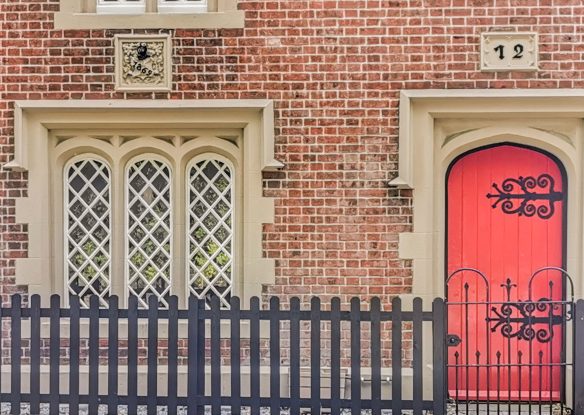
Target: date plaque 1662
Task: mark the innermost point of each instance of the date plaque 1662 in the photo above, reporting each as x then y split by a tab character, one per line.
508	51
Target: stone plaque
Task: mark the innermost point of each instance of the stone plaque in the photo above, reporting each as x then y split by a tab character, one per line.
508	51
143	63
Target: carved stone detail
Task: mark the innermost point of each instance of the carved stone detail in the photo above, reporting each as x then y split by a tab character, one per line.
143	63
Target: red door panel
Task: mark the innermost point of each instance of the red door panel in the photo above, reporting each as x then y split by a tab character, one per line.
505	218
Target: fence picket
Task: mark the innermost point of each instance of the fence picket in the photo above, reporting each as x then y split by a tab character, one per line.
74	355
315	355
396	364
254	358
336	356
355	356
235	357
172	354
578	380
93	354
152	379
274	355
417	357
132	355
375	307
35	354
295	356
15	353
201	346
113	352
193	362
215	356
439	356
54	350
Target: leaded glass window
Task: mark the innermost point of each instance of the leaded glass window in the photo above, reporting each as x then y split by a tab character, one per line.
149	227
87	230
210	235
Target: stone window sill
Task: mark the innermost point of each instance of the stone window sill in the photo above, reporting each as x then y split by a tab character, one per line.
232	19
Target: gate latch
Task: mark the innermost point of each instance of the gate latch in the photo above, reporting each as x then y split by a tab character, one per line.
452	340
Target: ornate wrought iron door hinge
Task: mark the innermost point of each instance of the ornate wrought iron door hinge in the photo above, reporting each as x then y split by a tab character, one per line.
517	196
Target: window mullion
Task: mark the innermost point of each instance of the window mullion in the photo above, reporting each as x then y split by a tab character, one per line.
119	249
151	6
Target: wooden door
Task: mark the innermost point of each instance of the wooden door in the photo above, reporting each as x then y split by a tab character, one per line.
505	219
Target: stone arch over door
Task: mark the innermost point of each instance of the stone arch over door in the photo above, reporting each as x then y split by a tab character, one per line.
436	127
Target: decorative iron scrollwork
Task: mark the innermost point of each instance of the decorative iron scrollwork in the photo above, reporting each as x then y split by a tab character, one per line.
517	196
546	317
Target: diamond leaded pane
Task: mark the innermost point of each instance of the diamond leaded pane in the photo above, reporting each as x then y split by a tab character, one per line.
87	230
148	229
210	233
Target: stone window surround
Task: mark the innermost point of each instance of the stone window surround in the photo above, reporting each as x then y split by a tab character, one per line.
34	120
81	14
438	125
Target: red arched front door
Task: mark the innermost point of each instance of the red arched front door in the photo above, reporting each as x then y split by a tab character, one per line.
505	218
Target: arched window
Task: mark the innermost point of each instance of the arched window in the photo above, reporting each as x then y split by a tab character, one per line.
210	218
87	214
148	230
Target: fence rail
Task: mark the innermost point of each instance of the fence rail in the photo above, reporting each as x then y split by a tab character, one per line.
283	343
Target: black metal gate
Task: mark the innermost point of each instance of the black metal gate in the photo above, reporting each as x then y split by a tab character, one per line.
509	346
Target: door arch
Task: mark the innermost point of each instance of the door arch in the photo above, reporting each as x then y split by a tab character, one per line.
505	217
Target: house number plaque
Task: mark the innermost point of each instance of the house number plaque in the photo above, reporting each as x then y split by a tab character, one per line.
508	51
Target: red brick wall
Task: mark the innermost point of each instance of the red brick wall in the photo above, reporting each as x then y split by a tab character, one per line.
334	70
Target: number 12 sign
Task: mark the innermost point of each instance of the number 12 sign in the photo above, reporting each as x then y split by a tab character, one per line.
508	51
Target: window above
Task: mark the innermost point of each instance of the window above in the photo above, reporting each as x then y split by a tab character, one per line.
140	6
182	6
121	6
148	14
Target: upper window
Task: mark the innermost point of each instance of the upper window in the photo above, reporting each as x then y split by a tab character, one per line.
182	6
141	6
149	14
121	6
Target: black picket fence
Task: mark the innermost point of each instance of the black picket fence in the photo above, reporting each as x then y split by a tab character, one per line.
204	330
353	335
